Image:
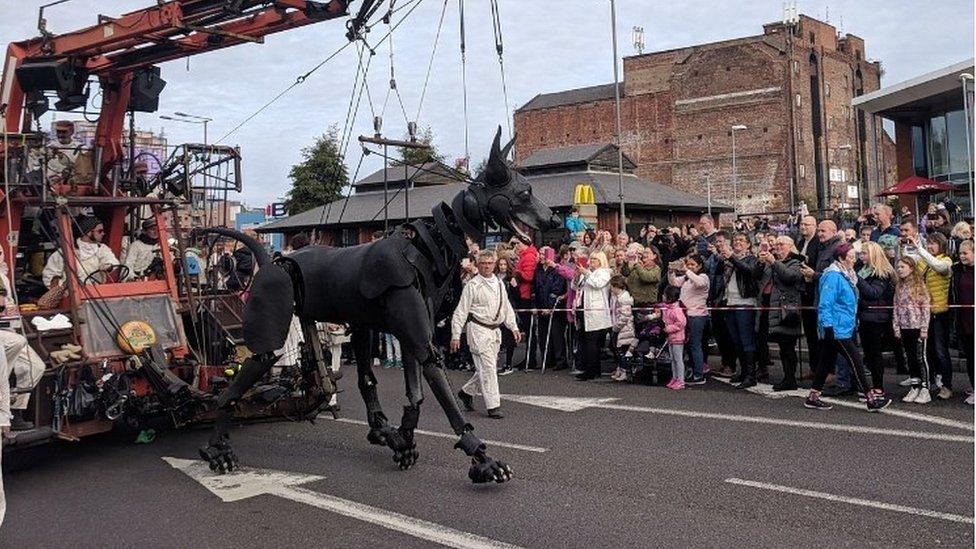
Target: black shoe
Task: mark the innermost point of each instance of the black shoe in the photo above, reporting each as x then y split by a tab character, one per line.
746	383
18	423
839	392
506	370
496	413
695	380
814	403
878	403
583	377
736	378
785	385
466	401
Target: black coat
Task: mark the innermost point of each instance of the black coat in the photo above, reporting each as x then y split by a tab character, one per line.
875	291
785	297
547	286
748	272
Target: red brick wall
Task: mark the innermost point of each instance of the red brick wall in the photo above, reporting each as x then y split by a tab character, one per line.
678	107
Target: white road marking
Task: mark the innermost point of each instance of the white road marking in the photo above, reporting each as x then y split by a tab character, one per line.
247	483
511	445
575	404
853	501
766	390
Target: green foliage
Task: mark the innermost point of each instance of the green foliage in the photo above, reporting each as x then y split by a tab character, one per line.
417	157
320	177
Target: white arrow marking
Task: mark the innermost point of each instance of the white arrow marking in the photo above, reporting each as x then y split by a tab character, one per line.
511	445
574	404
248	483
852	501
766	390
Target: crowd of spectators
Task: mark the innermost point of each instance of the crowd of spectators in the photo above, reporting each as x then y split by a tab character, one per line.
843	292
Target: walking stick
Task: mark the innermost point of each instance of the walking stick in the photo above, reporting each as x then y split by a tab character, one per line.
528	348
545	352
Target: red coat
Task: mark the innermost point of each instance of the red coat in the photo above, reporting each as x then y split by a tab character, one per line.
525	269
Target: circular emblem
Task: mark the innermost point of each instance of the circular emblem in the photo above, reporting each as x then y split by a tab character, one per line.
135	336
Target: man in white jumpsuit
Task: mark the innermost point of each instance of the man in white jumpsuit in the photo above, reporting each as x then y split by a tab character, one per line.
143	250
4	425
26	364
484	307
92	256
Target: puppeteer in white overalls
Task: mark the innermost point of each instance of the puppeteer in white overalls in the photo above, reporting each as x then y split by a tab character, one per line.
483	309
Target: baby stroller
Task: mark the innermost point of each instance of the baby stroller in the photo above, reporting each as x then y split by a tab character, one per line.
650	363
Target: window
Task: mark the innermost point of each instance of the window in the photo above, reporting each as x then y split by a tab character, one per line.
827	90
956	131
798	102
796	67
803	171
813	37
938	145
918	152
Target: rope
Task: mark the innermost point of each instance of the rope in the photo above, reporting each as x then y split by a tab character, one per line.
496	24
301	79
430	63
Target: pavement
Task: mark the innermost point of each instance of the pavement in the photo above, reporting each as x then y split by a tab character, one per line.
597	464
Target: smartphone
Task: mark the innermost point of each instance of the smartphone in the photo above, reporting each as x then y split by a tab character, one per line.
764	247
583	261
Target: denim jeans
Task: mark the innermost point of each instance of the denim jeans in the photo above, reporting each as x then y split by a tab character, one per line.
938	348
742	328
696	329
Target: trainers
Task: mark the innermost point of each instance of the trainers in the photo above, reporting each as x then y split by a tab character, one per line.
912	394
878	403
969	398
924	396
724	371
814	403
506	370
676	385
696	380
706	370
938	381
628	354
909	382
945	393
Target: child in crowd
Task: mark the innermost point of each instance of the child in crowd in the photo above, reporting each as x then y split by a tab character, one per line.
623	322
911	325
674	325
394	359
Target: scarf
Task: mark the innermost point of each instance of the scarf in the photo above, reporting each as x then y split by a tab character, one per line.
849	274
866	272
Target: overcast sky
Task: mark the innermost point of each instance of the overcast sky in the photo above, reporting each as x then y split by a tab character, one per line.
550	45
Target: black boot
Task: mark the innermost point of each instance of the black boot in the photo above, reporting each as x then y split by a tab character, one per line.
466	401
18	423
748	371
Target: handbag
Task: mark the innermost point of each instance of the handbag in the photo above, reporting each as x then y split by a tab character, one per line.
81	401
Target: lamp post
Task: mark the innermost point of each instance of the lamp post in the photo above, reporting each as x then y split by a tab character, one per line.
965	79
616	97
735	178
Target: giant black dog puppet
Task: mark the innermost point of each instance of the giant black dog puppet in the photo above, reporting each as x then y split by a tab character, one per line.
395	285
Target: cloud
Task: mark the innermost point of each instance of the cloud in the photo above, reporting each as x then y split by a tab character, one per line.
549	45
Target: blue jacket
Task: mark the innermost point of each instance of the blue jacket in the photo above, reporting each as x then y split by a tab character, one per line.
837	304
547	286
575	224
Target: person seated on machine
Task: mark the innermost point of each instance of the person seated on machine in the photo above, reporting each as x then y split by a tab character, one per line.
143	250
27	365
94	259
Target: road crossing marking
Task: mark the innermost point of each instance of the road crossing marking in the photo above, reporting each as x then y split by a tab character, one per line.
246	483
573	404
766	390
853	501
511	445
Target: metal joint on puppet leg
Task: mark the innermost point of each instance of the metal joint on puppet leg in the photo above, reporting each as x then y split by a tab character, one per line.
483	468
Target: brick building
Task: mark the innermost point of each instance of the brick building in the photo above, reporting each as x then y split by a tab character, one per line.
791	87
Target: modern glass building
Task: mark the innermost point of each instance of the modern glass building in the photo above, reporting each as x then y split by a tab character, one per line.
933	137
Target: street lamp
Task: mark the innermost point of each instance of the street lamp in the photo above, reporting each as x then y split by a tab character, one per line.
190	119
616	103
735	179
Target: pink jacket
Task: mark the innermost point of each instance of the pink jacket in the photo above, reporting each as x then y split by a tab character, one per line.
569	274
674	323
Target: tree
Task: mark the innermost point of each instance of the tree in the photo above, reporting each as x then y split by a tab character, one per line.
319	177
417	157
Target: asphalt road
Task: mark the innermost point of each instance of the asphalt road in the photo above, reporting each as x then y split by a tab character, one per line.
632	475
